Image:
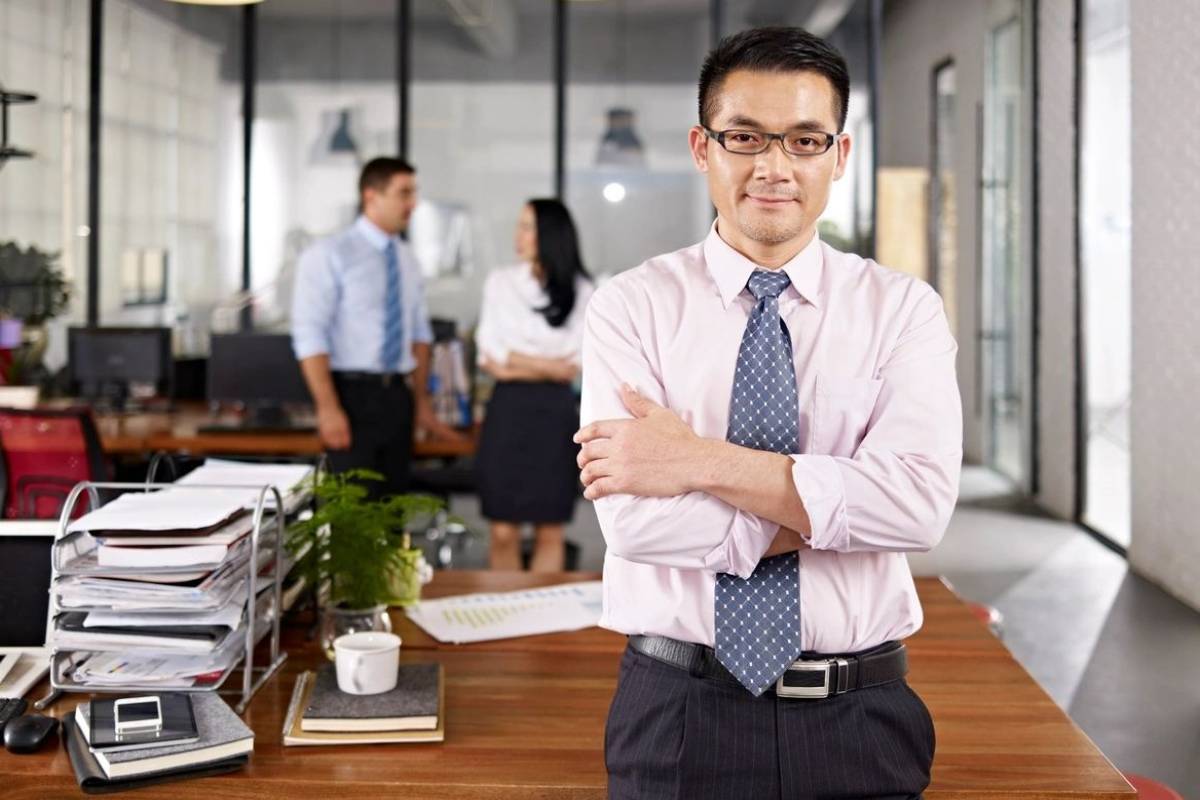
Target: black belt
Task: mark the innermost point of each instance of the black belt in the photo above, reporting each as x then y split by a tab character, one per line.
377	378
813	677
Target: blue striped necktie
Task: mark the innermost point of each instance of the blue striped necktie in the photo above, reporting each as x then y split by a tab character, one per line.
392	330
757	620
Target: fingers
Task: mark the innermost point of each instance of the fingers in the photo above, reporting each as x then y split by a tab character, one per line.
594	471
601	448
603	429
600	488
637	404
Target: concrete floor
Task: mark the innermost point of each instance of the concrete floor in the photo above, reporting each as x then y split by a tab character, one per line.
1118	653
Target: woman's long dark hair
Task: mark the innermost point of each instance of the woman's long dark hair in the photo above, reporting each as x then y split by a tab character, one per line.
558	255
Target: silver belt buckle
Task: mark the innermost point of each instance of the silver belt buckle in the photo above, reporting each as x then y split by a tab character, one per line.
810	692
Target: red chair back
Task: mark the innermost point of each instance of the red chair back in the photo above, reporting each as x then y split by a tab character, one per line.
1150	789
45	454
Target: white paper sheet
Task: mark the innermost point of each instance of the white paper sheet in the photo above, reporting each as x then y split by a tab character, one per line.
228	615
284	477
503	615
226	535
166	510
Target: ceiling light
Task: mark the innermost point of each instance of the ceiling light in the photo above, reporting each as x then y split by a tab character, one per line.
216	2
614	192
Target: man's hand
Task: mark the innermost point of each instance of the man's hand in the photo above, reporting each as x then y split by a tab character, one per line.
333	427
428	422
655	454
786	540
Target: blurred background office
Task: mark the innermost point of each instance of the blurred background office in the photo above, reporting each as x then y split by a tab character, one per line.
168	161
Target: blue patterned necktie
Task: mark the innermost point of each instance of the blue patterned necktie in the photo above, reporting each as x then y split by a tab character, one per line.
757	620
392	333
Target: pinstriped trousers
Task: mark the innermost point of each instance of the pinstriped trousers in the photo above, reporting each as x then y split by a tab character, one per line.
675	736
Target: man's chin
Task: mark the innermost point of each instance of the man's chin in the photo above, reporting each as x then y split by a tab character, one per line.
770	231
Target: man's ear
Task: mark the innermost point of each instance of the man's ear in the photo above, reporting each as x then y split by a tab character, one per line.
843	155
698	144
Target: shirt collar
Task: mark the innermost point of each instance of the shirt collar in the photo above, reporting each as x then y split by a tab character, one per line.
730	270
376	236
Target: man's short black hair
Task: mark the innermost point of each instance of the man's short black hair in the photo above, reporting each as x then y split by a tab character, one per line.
775	49
377	173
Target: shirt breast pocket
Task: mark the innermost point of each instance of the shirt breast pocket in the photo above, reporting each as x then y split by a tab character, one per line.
842	409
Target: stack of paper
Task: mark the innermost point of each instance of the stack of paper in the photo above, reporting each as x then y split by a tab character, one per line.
174	548
125	667
152	587
289	479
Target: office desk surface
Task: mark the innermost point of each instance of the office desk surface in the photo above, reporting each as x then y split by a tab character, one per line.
178	431
525	719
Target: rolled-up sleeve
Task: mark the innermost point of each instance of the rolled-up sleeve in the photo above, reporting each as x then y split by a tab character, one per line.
690	531
314	302
898	490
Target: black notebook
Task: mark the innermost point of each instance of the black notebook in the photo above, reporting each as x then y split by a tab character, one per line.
97	721
411	706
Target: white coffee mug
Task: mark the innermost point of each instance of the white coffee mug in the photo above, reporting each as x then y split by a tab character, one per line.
367	663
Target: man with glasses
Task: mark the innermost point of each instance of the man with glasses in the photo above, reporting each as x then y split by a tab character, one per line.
768	425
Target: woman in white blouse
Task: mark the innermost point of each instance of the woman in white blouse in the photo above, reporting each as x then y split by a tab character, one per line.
529	337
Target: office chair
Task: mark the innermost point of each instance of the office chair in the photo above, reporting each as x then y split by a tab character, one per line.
45	454
989	616
441	480
1150	789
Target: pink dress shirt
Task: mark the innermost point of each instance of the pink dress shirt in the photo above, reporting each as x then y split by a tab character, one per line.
880	424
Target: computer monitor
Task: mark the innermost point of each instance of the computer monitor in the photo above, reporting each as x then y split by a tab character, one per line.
259	370
24	603
105	362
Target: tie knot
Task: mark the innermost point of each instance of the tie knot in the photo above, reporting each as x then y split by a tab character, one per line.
764	283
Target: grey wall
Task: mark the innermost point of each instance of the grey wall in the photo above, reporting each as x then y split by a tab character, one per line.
1166	297
917	35
1056	247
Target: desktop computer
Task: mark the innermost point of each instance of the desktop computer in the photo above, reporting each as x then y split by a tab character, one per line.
260	371
111	364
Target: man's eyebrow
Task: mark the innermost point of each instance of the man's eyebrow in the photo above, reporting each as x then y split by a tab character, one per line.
803	125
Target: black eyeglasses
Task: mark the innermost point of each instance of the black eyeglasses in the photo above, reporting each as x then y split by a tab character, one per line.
795	143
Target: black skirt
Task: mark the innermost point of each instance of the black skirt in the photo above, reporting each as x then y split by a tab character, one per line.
526	462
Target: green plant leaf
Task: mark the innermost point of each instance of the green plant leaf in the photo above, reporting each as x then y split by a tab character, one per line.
352	543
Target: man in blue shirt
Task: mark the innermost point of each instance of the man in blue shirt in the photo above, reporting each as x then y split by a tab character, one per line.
360	330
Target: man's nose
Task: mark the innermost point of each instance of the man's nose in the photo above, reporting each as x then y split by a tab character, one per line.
773	163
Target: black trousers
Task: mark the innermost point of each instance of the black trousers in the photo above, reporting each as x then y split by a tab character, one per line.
381	431
674	735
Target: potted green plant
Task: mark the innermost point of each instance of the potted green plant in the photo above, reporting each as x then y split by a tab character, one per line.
33	290
355	550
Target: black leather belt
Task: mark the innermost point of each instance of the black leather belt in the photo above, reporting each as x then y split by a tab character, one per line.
812	677
378	378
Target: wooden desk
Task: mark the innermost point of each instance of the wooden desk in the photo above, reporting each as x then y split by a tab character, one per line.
525	719
142	434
